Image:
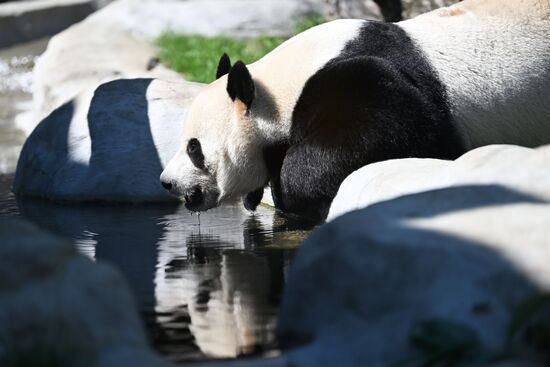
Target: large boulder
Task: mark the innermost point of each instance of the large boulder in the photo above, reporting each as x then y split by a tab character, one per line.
59	308
24	21
439	244
117	41
86	55
352	9
110	144
232	18
412	8
388	10
451	265
514	167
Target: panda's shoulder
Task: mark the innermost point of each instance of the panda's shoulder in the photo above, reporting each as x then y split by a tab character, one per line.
380	68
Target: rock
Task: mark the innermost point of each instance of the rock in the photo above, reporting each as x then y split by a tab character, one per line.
486	165
467	254
383	10
24	21
16	65
60	308
412	8
86	55
109	145
233	18
116	42
352	9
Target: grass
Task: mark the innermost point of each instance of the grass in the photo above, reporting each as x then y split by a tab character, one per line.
196	57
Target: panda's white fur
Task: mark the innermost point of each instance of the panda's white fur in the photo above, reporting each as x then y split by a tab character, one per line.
232	143
492	58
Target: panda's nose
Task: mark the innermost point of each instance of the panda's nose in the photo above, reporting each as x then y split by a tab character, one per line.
166	185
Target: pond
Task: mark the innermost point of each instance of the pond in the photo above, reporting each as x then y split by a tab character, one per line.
207	286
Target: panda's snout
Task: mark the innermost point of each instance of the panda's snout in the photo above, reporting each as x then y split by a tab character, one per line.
194	198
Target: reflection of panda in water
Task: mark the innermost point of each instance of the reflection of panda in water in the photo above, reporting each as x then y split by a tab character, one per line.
352	92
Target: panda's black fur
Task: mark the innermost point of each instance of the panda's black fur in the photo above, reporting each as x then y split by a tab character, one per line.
379	99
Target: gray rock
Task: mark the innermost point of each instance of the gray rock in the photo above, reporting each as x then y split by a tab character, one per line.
234	18
60	308
517	168
352	9
120	37
110	144
468	254
412	8
86	55
24	21
16	64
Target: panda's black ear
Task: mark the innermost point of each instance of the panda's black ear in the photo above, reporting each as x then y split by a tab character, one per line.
240	84
224	65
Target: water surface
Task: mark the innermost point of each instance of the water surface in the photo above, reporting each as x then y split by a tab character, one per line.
206	286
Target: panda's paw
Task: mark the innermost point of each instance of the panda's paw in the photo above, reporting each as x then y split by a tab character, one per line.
253	199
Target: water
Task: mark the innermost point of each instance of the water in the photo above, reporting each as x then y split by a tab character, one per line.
207	287
205	290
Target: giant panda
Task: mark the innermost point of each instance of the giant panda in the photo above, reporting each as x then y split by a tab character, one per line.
351	92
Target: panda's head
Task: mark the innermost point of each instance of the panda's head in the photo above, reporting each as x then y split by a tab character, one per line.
220	158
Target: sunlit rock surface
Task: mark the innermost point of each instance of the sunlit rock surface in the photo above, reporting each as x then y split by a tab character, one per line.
355	9
412	8
517	168
109	144
86	55
16	65
116	42
59	308
469	254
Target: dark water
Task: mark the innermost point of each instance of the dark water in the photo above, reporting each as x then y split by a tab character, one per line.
206	286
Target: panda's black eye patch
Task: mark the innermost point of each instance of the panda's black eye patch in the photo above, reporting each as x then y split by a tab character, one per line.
194	151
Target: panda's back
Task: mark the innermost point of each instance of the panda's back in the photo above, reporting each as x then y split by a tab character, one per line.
495	68
484	66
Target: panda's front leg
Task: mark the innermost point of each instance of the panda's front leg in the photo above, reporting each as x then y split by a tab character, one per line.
308	181
253	199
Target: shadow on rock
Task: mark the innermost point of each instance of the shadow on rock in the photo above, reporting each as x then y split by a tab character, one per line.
359	285
110	144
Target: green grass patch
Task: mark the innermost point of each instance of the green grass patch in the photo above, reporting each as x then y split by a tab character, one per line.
307	23
196	57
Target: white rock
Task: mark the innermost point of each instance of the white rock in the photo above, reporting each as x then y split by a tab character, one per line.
514	167
468	254
58	307
111	144
116	42
235	18
86	55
